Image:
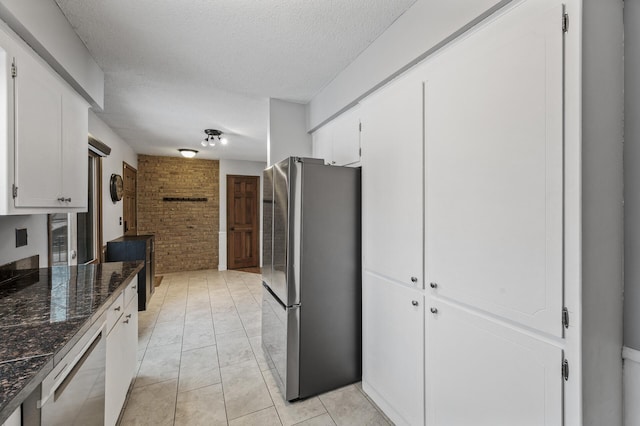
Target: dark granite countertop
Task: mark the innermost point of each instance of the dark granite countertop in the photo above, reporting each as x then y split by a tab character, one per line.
43	313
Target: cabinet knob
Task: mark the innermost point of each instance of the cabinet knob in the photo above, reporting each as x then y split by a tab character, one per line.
434	310
116	309
61	199
125	321
128	316
414	302
433	285
414	279
68	200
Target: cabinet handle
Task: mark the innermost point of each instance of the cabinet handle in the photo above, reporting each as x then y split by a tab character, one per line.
61	199
68	199
125	321
433	285
414	279
434	310
414	302
116	309
128	316
134	287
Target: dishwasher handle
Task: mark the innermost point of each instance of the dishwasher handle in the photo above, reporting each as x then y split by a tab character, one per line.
61	385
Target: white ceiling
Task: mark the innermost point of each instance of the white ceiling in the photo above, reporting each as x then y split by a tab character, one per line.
175	68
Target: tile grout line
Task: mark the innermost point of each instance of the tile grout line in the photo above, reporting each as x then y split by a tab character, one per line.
175	408
224	400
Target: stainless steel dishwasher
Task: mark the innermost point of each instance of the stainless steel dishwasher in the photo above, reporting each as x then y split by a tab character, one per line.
73	393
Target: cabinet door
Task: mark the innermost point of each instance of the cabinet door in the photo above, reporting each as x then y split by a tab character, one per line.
322	144
494	172
392	176
38	135
131	341
122	346
74	150
481	372
346	137
393	348
116	372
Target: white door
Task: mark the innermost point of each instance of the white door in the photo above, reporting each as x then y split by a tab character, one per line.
392	188
393	348
494	171
483	373
38	99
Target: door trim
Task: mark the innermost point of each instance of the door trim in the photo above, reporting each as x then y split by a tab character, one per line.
256	220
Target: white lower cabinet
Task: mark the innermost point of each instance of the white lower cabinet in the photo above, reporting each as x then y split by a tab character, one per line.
122	345
483	372
393	348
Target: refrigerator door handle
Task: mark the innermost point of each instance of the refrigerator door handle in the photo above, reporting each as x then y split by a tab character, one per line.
274	295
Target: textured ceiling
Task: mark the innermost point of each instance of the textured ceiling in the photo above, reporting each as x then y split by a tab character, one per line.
175	68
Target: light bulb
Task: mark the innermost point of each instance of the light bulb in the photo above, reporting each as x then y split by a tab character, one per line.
224	141
203	143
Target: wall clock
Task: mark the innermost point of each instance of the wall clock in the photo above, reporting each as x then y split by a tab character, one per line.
116	187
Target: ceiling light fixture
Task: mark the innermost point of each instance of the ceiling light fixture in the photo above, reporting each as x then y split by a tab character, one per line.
188	153
213	136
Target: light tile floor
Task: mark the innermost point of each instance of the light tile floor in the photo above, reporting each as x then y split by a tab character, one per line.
200	362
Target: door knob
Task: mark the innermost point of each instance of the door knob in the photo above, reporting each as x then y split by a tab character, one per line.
414	279
434	310
414	302
433	285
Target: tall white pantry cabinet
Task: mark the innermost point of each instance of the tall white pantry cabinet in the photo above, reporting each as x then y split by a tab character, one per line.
492	220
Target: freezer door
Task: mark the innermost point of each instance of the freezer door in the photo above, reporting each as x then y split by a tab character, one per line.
267	226
281	340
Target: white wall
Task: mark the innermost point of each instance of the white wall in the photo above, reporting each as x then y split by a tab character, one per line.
243	168
120	151
287	134
424	28
37	238
42	24
602	210
632	175
631	386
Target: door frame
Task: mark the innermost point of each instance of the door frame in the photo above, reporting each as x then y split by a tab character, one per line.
256	245
125	166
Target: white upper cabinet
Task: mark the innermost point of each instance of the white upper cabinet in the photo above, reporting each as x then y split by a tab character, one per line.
338	142
392	181
44	140
494	173
346	138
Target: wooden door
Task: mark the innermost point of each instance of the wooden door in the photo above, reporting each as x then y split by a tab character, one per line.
129	200
242	221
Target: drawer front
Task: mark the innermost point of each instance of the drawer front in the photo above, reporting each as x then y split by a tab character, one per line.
131	291
115	311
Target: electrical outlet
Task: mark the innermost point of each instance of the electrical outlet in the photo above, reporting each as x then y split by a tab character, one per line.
21	237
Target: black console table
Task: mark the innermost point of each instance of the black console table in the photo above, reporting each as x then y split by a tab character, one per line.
136	247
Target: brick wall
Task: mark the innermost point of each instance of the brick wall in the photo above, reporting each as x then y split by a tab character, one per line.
186	231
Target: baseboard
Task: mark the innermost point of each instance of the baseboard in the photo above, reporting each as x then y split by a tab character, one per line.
382	403
631	386
222	267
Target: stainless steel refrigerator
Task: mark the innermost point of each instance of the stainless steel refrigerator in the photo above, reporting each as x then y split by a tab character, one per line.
311	307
